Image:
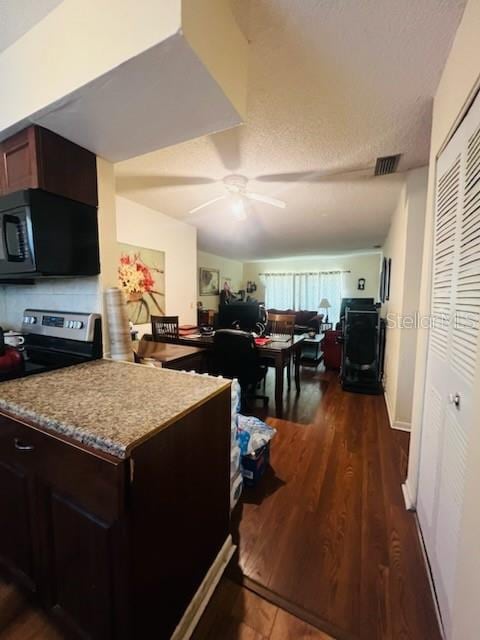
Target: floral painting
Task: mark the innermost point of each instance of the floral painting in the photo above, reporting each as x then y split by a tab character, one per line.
141	276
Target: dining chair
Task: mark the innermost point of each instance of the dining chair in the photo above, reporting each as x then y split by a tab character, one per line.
283	324
164	327
236	356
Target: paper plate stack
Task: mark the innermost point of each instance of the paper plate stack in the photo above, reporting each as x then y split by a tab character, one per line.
118	328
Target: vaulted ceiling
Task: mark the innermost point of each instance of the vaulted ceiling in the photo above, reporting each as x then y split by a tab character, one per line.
332	85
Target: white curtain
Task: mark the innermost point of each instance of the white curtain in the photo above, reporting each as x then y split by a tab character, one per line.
303	291
331	288
279	291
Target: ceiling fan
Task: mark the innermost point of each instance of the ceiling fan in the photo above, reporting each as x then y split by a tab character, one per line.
236	190
228	146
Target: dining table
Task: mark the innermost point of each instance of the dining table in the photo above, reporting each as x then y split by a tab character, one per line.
275	353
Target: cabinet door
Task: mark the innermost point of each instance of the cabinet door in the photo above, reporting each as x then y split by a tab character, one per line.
16	535
19	162
80	567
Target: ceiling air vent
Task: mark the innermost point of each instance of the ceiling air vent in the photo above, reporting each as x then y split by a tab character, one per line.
387	164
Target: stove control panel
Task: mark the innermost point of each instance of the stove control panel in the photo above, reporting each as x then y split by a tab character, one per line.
60	324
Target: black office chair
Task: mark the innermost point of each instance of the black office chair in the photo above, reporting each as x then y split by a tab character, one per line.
236	356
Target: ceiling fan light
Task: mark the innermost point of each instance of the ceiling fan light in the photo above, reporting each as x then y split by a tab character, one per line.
238	208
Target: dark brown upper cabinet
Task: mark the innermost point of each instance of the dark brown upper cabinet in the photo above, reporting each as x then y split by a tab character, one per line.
38	158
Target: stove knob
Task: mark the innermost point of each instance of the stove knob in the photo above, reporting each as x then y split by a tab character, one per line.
79	325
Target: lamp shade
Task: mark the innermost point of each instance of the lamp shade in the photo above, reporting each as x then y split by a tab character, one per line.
324	304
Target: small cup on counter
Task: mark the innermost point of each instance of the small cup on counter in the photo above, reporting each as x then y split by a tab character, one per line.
14	339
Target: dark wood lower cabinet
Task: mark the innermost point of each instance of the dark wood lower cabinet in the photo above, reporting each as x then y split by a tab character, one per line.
115	549
16	537
81	563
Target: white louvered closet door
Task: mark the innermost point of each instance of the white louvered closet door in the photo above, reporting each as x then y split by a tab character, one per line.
452	355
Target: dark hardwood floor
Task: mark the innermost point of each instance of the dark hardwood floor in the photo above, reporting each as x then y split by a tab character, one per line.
22	620
326	548
236	613
326	534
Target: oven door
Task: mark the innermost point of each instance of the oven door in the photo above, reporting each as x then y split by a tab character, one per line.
16	242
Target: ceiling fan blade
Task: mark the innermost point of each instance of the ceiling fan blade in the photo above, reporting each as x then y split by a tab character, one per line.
313	176
227	144
206	204
134	182
266	199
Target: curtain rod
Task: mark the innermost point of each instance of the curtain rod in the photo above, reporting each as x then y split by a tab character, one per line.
303	273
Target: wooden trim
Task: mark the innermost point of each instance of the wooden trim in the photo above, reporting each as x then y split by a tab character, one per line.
200	600
395	424
460	117
409	503
387	406
402	426
295	610
430	576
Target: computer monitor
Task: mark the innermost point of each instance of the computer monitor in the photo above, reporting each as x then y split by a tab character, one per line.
355	302
245	314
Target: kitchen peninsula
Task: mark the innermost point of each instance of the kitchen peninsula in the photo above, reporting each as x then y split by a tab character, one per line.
114	481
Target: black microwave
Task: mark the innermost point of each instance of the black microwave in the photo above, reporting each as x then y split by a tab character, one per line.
45	235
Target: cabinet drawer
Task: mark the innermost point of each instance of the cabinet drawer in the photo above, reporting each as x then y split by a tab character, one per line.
94	481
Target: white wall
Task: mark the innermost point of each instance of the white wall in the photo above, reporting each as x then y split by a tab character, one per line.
460	80
394	248
228	269
360	265
145	227
404	246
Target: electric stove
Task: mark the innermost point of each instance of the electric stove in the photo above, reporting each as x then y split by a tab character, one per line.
57	339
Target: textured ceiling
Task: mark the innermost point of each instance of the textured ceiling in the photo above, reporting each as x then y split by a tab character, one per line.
19	16
333	84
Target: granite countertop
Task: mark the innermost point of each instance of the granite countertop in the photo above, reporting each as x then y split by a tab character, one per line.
109	406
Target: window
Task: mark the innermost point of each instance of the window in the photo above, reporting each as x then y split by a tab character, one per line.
303	291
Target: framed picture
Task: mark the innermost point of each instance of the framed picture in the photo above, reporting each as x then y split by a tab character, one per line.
209	282
389	279
383	281
141	277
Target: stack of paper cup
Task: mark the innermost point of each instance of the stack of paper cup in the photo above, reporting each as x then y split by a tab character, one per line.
119	331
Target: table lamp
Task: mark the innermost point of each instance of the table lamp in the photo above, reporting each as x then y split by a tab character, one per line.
325	304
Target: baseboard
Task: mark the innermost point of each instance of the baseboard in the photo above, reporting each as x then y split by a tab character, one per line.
395	424
204	592
407	496
389	411
431	582
402	426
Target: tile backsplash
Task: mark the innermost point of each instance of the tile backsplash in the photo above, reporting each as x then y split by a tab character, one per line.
65	294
